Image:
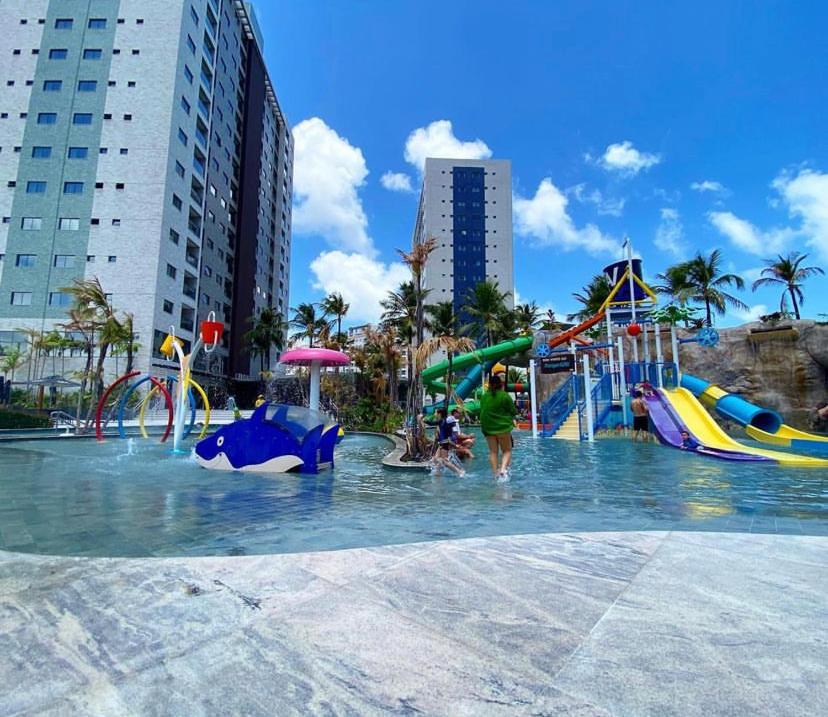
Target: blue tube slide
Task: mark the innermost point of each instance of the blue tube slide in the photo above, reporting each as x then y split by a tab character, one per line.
733	407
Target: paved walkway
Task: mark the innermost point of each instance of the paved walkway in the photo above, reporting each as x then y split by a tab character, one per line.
558	624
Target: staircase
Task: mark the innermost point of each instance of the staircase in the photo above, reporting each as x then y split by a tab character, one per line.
569	430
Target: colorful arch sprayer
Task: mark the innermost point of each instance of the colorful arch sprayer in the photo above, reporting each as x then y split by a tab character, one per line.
184	398
678	402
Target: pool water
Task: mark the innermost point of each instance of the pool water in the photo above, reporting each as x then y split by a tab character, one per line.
134	498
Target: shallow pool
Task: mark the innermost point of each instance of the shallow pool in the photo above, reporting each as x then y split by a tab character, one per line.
120	498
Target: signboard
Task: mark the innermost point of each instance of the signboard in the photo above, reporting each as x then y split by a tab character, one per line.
558	363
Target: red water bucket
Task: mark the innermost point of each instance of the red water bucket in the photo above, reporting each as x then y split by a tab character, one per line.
211	331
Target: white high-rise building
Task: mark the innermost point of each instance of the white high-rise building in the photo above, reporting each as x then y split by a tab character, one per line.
466	205
141	143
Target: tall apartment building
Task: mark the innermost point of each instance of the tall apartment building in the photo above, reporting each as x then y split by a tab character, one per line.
466	205
141	143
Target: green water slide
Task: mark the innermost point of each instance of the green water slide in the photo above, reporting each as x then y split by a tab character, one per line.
474	361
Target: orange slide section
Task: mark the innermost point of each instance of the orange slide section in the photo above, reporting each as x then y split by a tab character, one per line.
575	330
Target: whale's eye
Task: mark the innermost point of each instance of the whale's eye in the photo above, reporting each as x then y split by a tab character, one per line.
220	441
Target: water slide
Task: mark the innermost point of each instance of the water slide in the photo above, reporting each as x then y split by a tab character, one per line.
761	424
483	359
668	427
710	435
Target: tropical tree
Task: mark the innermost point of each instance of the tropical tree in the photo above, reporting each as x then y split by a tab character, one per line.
334	305
267	332
308	321
705	284
416	261
384	342
549	322
444	337
12	360
591	297
674	283
486	307
527	317
788	271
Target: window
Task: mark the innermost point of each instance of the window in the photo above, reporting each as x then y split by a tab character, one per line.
176	200
25	261
171	271
194	14
136	52
90	258
87	86
188	74
116	222
31	223
90	54
179	169
119	185
97	23
35	187
185	105
168	306
116	51
182	136
73	187
127	118
64	261
82	118
59	298
139	21
103	150
98	185
191	44
46	117
63	23
58	54
69	224
21	298
107	115
78	152
131	83
41	152
15	52
174	236
123	150
112	259
52	85
94	221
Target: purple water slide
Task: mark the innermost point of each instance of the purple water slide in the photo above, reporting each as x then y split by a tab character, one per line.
668	427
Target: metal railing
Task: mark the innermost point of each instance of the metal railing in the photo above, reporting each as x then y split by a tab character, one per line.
556	409
61	418
601	397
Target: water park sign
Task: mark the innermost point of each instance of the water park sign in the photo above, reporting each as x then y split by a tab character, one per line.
559	363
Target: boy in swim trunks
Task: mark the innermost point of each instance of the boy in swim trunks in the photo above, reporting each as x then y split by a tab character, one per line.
641	418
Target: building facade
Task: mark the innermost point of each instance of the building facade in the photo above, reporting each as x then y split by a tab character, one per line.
141	143
466	205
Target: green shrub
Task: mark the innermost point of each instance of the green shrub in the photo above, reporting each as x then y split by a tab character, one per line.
18	419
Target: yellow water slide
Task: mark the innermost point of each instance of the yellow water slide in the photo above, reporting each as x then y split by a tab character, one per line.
709	433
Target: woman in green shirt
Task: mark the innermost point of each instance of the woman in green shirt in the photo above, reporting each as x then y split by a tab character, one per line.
497	419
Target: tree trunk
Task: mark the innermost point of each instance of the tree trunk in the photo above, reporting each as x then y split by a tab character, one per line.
707	309
795	305
82	389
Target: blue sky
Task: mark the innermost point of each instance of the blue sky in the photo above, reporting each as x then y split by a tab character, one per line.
693	127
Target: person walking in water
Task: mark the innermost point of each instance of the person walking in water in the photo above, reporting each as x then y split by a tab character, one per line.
641	419
497	419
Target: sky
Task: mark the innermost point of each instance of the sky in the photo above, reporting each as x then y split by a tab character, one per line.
683	126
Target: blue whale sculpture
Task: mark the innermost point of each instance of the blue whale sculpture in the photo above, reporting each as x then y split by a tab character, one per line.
276	439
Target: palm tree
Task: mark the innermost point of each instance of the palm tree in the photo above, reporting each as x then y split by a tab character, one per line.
384	342
675	282
308	322
527	317
786	271
13	359
267	332
444	337
592	297
550	322
486	305
705	284
334	305
416	261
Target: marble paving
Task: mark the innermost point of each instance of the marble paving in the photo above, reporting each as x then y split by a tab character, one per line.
554	624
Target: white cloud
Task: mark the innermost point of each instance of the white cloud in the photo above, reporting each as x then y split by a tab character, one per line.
328	171
603	205
669	235
625	159
749	238
544	218
396	182
751	314
438	141
709	185
362	281
806	196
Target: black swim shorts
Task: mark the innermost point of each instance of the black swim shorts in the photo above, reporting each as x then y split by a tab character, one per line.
641	423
